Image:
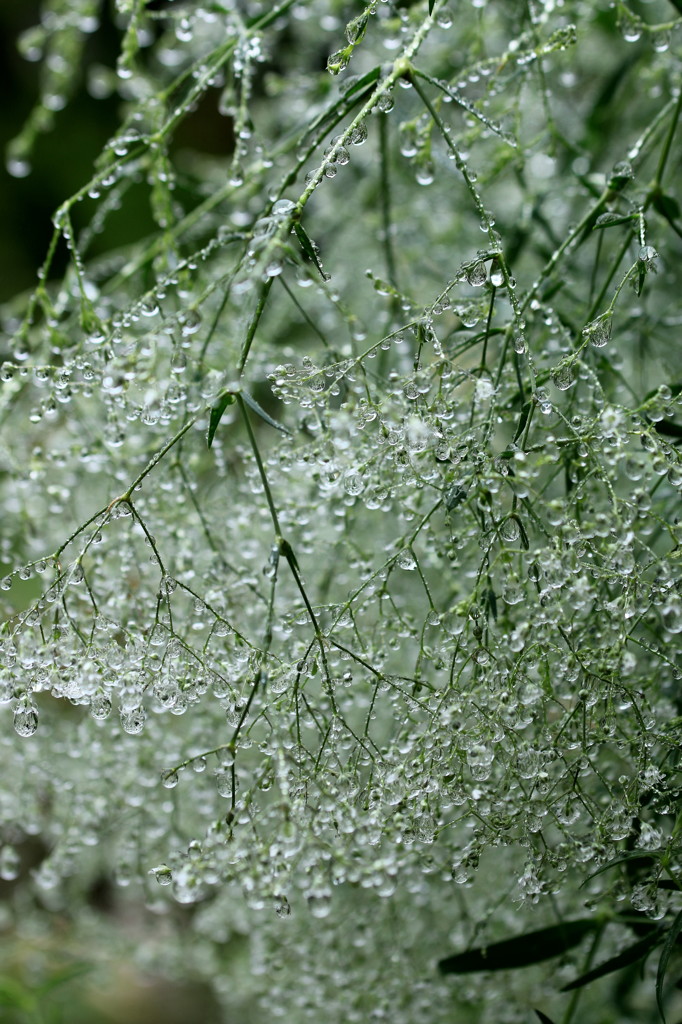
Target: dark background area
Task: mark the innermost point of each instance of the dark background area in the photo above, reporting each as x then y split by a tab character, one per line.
63	158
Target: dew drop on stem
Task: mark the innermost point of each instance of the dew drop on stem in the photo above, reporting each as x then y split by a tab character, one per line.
598	332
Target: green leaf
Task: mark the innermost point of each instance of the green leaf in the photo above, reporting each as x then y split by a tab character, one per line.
432	4
64	976
532	948
309	249
542	1017
523	419
14	994
634	855
669	428
670	940
667	206
253	404
363	83
225	399
638	951
288	552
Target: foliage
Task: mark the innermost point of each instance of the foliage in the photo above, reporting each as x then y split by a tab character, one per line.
342	605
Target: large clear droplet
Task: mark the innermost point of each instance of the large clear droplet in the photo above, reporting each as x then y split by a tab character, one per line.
25	719
598	331
563	377
133	721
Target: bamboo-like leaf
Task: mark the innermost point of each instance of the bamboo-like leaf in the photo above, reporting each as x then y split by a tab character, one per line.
633	855
609	220
225	399
363	82
667	206
288	552
531	948
253	404
64	976
432	4
668	945
542	1017
309	249
638	951
523	419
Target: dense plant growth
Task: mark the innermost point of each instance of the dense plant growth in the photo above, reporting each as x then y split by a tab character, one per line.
342	556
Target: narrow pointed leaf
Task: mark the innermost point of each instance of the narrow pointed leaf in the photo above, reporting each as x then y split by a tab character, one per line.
253	404
309	248
667	206
633	855
532	948
523	419
288	552
227	398
638	951
669	428
432	4
668	945
543	1018
363	83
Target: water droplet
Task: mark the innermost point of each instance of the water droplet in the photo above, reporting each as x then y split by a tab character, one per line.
630	26
18	168
25	719
189	322
509	530
100	706
162	873
496	275
320	906
283	207
425	172
406	560
598	332
353	483
647	255
408	139
338	61
133	720
169	779
563	377
477	275
484	389
622	169
661	41
358	134
512	593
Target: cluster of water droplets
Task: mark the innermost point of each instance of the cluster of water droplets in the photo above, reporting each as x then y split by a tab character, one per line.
409	626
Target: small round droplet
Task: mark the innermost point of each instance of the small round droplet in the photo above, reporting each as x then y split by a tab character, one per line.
189	321
169	779
358	134
162	873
